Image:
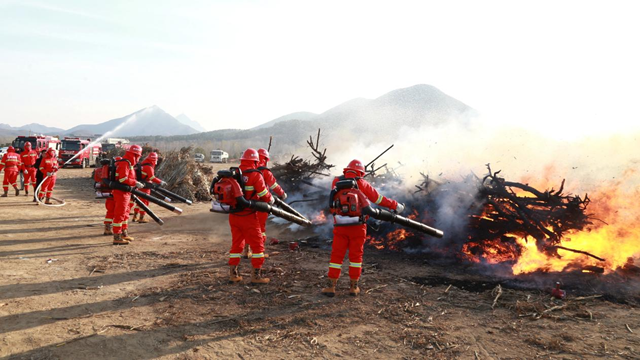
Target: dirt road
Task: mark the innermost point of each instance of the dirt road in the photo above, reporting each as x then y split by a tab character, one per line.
67	293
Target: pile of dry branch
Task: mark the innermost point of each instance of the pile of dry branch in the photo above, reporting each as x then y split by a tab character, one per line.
184	176
299	171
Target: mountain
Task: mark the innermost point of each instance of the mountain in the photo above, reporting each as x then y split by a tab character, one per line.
146	122
383	117
194	124
301	115
33	128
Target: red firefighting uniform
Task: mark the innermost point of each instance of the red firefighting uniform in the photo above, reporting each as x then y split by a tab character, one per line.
148	175
352	237
245	225
48	165
125	174
11	164
272	184
109	204
29	158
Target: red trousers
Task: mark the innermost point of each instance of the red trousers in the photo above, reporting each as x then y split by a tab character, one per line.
110	205
144	201
349	238
30	178
246	228
10	177
121	200
262	218
47	186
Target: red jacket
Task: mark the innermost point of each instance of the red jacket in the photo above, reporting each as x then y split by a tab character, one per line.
28	158
148	173
270	181
125	174
48	164
254	187
369	191
10	161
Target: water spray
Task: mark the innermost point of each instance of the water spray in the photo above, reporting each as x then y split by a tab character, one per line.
37	192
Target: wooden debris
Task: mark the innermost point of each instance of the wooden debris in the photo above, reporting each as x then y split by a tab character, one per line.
628	328
498	293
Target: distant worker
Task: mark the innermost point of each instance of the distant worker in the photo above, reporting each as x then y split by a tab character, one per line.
39	175
147	174
48	168
11	164
245	226
272	184
124	174
29	170
350	232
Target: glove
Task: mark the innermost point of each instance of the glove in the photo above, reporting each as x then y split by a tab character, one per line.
272	201
49	174
25	172
139	185
399	208
283	197
163	183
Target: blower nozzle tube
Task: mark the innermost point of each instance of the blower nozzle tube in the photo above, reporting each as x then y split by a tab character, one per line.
386	215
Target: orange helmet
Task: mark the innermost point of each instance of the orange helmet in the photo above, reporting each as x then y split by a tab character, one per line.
11	149
355	165
152	157
27	146
136	150
51	152
263	154
250	155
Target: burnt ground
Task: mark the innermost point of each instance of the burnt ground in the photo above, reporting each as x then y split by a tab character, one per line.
166	296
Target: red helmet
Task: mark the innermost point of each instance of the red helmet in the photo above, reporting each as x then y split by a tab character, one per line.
27	146
11	149
136	150
263	153
250	155
51	152
153	157
117	158
355	165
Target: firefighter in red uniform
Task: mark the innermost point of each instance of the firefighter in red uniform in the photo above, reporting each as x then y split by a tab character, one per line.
125	174
48	168
29	158
11	164
147	170
101	176
245	226
349	233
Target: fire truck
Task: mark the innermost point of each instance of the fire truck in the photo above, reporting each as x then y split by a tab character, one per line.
82	151
38	143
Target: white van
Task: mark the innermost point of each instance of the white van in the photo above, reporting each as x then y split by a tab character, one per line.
219	156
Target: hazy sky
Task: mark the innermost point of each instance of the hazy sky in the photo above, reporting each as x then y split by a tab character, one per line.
567	66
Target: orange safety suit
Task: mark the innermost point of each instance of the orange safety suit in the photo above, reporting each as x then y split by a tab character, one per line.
48	168
272	184
245	226
11	164
125	174
147	170
29	158
351	238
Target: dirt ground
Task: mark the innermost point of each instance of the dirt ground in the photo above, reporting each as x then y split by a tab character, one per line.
67	293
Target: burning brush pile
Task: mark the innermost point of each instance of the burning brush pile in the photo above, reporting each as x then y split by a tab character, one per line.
184	176
494	221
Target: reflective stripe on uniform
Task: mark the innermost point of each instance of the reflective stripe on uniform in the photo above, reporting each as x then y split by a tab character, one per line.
275	185
248	188
263	193
117	224
108	220
234	255
264	234
151	178
356	265
380	198
144	173
260	255
335	266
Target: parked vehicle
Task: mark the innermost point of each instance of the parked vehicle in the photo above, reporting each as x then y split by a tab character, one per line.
3	150
83	153
219	156
38	143
199	158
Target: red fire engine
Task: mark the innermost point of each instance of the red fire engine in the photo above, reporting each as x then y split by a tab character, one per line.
38	143
82	152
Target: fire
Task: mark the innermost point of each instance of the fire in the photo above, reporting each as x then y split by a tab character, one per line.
391	241
321	218
494	252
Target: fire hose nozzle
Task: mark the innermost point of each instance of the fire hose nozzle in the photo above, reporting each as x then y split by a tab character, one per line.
189	202
177	210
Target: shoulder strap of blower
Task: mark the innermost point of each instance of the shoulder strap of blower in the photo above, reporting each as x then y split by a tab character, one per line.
112	169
